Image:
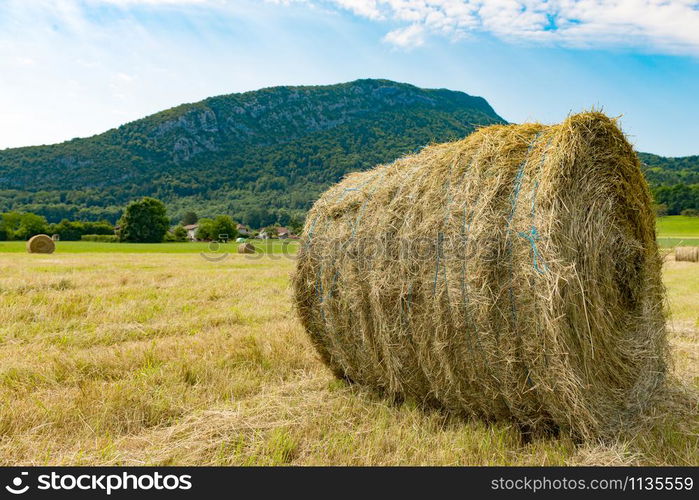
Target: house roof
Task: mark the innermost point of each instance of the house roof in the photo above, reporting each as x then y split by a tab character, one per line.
191	226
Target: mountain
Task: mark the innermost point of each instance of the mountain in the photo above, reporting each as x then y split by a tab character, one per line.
674	182
670	171
261	156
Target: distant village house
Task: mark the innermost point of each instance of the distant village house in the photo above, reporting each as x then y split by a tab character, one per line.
191	231
280	232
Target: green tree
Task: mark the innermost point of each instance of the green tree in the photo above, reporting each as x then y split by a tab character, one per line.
223	224
205	229
179	233
144	221
189	218
101	227
11	221
31	225
67	230
257	217
74	230
678	197
271	230
296	224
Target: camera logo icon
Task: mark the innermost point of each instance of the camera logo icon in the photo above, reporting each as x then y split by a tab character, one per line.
16	487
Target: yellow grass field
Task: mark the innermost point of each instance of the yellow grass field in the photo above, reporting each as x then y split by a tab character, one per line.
171	359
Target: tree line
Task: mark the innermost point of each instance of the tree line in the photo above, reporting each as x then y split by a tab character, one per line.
23	225
143	221
677	199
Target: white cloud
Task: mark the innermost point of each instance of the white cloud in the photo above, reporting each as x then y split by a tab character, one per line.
661	25
127	3
410	36
670	26
365	8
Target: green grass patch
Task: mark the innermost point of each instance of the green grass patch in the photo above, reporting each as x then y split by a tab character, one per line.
677	226
672	231
262	246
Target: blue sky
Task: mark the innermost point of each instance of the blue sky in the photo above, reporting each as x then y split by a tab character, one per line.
73	68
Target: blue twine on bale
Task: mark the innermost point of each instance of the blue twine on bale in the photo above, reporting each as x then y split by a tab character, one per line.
320	293
518	179
515	196
440	235
339	198
440	239
533	236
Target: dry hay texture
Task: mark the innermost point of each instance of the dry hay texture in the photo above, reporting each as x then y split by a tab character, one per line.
689	254
512	275
246	248
40	243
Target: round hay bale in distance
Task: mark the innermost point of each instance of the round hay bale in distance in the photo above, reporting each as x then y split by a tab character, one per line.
41	243
246	248
687	254
512	275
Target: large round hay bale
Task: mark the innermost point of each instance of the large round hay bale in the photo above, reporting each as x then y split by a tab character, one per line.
512	275
246	248
40	243
689	254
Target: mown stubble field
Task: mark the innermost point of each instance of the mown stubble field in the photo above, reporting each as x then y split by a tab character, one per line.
171	359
